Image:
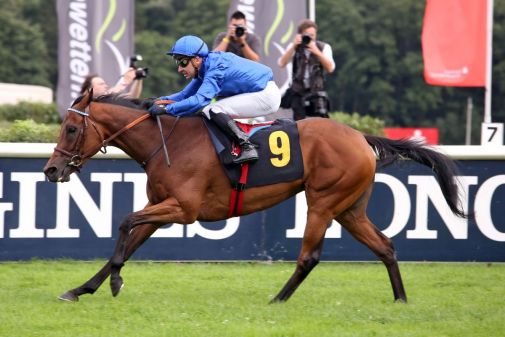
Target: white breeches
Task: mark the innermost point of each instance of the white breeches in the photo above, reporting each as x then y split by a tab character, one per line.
248	105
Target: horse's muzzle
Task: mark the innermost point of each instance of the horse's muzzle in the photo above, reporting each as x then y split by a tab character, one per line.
54	174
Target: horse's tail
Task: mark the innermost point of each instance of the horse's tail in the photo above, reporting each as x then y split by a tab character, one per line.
388	151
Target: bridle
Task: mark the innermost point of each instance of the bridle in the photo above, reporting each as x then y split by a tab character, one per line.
77	157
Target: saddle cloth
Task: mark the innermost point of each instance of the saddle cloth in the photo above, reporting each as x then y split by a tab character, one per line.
280	158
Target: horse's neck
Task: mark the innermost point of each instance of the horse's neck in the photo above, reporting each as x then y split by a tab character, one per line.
143	139
118	119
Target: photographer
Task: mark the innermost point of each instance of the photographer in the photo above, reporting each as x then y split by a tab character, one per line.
132	79
238	40
311	59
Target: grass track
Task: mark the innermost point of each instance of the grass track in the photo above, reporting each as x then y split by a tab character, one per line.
231	299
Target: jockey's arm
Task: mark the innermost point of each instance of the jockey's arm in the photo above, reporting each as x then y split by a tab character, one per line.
208	89
187	106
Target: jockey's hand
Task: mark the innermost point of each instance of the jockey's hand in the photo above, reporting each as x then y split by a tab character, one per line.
156	110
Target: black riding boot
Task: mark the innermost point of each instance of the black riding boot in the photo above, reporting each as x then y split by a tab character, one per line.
227	124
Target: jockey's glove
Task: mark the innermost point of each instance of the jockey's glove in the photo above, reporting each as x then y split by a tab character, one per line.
156	110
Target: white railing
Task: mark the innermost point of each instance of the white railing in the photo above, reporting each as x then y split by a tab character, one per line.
44	150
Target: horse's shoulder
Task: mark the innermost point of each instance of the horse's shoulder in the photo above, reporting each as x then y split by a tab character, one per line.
193	126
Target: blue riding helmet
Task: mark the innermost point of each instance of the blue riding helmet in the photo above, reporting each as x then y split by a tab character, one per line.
190	46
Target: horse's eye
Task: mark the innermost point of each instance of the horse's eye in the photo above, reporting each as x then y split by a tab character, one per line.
71	129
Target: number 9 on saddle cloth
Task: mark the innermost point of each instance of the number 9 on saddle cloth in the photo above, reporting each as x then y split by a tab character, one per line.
280	157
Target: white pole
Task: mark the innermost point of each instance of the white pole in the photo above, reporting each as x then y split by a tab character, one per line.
312	10
469	110
489	61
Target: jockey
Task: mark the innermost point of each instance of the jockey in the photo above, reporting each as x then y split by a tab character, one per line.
245	90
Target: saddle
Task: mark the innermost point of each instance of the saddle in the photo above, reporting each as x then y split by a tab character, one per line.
280	159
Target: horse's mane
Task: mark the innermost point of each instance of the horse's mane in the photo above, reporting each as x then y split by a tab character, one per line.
122	100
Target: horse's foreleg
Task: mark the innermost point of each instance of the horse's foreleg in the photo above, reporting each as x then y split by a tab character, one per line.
309	257
138	236
168	211
361	228
118	258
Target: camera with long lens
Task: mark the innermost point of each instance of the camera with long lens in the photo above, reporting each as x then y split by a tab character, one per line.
306	40
139	72
239	31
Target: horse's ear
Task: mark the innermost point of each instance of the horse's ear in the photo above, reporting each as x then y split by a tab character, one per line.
88	96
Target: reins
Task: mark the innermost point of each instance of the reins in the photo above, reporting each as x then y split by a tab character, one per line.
125	128
163	142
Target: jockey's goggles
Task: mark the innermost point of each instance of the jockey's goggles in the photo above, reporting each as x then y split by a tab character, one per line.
182	62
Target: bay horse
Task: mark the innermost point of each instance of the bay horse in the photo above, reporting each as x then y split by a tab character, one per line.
339	169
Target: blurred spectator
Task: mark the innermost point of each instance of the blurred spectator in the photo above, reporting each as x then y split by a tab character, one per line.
311	59
238	40
132	79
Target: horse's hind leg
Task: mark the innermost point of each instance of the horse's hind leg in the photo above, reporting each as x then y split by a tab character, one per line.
138	236
357	223
310	254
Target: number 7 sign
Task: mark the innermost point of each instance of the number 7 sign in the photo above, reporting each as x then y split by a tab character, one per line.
492	134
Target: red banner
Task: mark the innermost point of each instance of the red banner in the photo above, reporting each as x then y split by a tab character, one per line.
454	43
424	135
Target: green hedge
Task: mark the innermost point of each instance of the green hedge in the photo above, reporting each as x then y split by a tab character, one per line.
366	124
39	123
39	112
29	131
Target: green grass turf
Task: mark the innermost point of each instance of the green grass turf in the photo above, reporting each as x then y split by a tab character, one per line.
231	299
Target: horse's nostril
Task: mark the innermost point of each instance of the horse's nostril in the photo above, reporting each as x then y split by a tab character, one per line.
50	171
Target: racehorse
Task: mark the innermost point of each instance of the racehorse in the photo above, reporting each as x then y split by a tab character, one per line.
339	168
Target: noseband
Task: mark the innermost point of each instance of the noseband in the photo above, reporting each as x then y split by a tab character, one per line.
76	156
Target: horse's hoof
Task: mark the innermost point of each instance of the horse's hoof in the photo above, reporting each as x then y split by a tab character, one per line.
116	284
401	300
69	297
276	301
